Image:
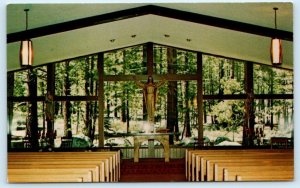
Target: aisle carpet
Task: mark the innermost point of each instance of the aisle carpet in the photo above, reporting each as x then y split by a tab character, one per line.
152	170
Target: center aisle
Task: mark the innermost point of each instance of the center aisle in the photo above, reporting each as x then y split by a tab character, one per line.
152	170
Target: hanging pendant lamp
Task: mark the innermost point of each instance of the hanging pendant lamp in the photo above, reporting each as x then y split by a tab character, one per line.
276	46
26	48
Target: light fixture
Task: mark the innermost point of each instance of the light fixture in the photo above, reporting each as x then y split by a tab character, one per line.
26	48
276	45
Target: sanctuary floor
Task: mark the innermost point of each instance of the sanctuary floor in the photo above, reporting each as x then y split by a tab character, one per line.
152	170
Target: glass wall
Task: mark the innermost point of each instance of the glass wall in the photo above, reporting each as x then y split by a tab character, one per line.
269	80
76	77
273	115
223	121
222	76
76	105
127	61
125	108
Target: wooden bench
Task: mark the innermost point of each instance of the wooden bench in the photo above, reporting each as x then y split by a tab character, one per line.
103	166
216	167
85	174
112	166
250	158
66	178
199	163
204	164
191	155
96	176
253	173
279	141
192	163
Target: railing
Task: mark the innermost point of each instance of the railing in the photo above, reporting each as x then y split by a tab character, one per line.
176	152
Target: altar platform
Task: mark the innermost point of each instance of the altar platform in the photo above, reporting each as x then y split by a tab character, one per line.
163	138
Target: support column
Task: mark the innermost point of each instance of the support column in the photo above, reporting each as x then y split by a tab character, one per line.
200	98
33	121
100	66
150	59
10	105
248	129
50	103
172	110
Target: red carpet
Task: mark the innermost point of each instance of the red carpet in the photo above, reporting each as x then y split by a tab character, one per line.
153	170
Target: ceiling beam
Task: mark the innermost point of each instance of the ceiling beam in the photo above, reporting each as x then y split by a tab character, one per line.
146	10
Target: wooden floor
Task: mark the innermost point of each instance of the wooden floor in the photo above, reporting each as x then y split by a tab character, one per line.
153	170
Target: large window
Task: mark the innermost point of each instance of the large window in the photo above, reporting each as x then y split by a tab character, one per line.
184	62
176	99
223	121
127	61
274	117
268	80
77	98
274	104
76	77
21	84
222	76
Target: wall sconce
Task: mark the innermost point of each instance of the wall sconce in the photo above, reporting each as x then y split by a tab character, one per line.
276	46
26	48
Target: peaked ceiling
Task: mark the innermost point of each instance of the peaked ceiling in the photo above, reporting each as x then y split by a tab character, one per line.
93	38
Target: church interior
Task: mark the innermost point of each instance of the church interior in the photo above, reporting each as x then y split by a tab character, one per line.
150	92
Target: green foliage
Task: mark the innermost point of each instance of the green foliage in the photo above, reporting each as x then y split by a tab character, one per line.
41	73
229	114
160	59
79	72
127	61
186	62
231	86
222	76
20	83
269	80
221	139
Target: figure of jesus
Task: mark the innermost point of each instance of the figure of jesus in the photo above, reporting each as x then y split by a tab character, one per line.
150	95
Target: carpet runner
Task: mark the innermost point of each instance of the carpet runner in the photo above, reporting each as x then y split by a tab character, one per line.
153	170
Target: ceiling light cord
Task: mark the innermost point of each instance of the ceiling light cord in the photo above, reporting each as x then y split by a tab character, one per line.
26	11
275	9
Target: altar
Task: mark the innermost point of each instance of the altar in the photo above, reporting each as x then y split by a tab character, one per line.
163	138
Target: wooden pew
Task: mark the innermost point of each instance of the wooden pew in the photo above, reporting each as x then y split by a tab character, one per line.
69	164
195	159
112	166
191	157
29	167
100	160
191	154
253	173
115	164
84	173
203	163
259	160
101	163
66	178
279	141
116	161
214	165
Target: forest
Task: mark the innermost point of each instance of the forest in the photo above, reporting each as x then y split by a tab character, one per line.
76	104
